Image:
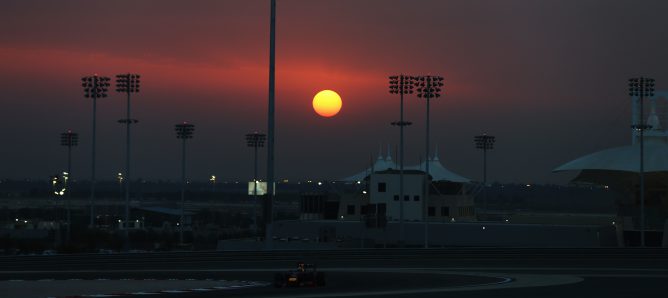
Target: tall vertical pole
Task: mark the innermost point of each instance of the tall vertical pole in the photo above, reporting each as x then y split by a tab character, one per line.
642	171
484	177
401	161
183	189
255	192
127	174
426	177
92	175
270	131
68	190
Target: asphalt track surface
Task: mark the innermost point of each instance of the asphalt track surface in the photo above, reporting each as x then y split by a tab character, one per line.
455	272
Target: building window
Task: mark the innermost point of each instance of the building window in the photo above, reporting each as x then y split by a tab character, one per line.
396	197
382	186
407	198
445	211
416	198
351	209
431	211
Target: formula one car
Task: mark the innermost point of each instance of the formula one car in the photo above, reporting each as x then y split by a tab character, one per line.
304	275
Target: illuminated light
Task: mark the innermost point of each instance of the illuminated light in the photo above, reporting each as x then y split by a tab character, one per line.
137	220
319	183
606	187
528	185
119	220
341	216
359	182
327	103
16	219
613	223
364	191
177	224
452	219
483	227
506	220
25	221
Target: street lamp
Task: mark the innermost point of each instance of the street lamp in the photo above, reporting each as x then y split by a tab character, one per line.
127	83
401	85
255	140
485	143
641	87
94	87
184	131
69	139
427	87
213	183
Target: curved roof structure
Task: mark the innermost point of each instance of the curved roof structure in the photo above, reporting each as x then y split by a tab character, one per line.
625	158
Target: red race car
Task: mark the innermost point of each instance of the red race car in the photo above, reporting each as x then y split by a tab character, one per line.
306	275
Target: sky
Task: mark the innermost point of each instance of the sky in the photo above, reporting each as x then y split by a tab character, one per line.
546	78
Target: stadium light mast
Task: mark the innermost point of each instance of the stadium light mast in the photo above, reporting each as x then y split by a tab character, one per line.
484	142
255	140
401	84
427	87
641	87
94	87
128	84
184	131
69	139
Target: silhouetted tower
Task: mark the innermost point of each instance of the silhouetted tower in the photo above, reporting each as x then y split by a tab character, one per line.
184	131
94	87
641	87
427	87
255	140
485	143
68	139
128	84
401	84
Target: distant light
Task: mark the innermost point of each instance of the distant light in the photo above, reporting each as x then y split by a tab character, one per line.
119	220
364	191
613	223
359	182
452	219
483	227
177	223
506	220
25	221
606	187
16	219
319	183
341	216
528	185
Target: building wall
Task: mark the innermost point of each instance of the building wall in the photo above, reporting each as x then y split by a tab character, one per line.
384	188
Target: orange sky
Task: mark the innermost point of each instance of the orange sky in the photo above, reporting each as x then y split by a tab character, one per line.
533	73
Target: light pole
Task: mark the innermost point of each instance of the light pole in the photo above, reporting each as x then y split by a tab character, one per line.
269	218
401	85
641	87
127	83
184	131
485	143
213	183
427	87
94	87
69	139
255	140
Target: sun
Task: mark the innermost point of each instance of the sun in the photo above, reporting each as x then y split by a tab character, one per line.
327	103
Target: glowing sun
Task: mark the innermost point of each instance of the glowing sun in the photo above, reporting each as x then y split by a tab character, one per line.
327	103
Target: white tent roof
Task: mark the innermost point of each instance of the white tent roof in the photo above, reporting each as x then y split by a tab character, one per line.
625	158
438	172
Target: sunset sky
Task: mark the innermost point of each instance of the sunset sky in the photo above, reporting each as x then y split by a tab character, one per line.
547	78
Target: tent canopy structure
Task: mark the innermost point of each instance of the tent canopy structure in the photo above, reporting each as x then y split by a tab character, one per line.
436	170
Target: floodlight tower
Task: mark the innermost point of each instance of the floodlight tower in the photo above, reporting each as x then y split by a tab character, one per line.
255	140
641	87
184	131
94	87
127	83
485	143
401	84
427	87
69	139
